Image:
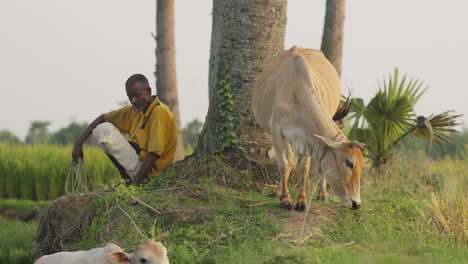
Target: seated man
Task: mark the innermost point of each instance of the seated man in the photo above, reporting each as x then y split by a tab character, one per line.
152	134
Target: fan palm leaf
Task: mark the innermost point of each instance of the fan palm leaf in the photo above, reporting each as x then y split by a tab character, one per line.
436	128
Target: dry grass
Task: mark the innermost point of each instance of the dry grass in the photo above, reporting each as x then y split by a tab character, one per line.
450	214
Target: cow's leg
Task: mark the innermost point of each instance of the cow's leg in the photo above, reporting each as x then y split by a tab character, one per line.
277	192
316	174
322	192
284	167
291	158
304	166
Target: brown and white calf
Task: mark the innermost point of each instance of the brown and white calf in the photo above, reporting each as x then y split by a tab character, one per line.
148	252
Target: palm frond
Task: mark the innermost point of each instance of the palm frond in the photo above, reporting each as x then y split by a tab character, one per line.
357	112
436	128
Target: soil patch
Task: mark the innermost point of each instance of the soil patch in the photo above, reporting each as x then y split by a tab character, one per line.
23	215
298	227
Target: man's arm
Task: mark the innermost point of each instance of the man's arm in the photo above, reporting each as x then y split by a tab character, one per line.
145	167
77	152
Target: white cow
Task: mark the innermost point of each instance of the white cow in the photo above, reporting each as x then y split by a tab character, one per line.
145	253
294	99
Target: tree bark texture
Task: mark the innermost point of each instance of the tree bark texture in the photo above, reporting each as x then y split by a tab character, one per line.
216	30
252	34
166	78
332	39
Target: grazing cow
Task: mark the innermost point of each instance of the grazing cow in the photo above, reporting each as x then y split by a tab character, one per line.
148	252
294	99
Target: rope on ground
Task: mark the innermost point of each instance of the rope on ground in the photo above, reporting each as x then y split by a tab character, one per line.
135	199
262	202
77	176
131	219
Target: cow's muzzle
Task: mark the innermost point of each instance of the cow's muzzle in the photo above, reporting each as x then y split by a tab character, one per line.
356	205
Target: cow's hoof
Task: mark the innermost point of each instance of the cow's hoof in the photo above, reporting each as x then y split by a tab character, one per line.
301	207
322	198
286	205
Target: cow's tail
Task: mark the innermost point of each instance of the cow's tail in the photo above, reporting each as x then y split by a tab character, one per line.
343	110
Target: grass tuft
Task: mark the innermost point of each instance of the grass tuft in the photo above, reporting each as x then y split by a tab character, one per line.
450	215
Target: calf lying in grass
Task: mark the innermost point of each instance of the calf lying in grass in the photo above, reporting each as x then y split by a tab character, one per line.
148	252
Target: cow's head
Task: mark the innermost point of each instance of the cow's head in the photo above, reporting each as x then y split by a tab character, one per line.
342	163
148	252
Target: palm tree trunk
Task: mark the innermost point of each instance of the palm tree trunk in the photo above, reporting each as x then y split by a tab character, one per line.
332	39
216	30
253	32
166	78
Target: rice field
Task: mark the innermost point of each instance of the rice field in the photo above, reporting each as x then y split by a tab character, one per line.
40	172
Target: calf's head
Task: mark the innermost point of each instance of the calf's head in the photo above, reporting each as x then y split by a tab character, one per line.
342	163
148	252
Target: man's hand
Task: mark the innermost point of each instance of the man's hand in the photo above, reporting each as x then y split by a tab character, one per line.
137	180
77	152
145	168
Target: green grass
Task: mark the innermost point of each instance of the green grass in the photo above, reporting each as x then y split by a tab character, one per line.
16	237
22	205
396	223
16	241
40	172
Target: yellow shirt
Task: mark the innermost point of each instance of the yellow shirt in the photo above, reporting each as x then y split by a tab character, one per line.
153	131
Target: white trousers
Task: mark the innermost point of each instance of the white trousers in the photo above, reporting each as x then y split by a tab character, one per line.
108	138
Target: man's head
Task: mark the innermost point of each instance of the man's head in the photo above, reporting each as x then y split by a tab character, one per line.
138	91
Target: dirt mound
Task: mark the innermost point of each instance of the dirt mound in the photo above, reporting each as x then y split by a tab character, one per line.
65	221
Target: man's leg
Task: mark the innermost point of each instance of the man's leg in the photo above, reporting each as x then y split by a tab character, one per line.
121	169
123	156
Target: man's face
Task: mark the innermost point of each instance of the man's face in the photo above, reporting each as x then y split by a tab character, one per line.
139	96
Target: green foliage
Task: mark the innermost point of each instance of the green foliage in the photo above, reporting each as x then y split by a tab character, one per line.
206	224
40	172
227	135
457	147
22	205
8	137
16	239
190	134
69	134
389	117
38	133
394	225
220	232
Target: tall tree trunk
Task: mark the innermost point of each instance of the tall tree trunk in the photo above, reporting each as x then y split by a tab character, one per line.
216	30
166	78
252	33
332	40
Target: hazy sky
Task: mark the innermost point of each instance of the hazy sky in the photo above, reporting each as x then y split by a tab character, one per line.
68	60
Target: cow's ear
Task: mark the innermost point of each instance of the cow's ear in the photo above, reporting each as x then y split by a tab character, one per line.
118	257
329	143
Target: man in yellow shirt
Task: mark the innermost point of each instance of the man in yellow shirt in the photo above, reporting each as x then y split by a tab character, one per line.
151	128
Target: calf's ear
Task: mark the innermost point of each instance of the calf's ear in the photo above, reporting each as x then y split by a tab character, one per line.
118	257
